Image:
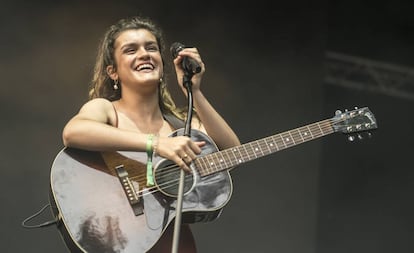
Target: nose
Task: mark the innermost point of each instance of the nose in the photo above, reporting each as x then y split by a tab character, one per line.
143	53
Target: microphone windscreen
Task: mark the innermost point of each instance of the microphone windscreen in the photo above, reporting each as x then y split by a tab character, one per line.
175	48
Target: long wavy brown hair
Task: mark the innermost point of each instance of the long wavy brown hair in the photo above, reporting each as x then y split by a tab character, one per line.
102	84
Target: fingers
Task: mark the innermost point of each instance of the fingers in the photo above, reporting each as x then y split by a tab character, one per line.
183	165
187	155
187	161
189	52
180	149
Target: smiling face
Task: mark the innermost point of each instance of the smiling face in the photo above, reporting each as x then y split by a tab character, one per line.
138	59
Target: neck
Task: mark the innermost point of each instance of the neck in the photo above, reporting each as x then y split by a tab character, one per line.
144	105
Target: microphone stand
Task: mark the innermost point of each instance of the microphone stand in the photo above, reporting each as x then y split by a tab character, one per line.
187	132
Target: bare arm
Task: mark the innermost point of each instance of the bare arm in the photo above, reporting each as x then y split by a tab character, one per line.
91	129
215	126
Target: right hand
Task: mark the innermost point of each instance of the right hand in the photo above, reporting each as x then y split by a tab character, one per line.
180	149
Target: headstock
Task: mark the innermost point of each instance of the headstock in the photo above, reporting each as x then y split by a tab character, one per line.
354	122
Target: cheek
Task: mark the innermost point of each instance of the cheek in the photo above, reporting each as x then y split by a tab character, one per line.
162	69
161	66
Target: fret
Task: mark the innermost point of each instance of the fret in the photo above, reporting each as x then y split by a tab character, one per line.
216	161
298	134
226	152
310	131
281	137
320	128
254	149
239	158
247	154
287	140
222	159
328	127
269	146
272	145
259	148
279	142
203	166
210	162
235	158
293	139
315	130
231	157
207	167
304	131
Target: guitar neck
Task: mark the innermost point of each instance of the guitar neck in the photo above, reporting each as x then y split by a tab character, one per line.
231	157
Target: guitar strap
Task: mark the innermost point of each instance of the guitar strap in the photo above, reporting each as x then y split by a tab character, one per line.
174	121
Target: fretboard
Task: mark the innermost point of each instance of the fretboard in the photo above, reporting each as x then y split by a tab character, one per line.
228	158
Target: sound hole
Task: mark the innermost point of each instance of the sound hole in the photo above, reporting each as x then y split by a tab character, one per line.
167	178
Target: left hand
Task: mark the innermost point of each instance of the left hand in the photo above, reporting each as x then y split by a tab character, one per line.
196	79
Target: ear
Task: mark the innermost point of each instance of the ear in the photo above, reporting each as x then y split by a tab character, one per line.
111	71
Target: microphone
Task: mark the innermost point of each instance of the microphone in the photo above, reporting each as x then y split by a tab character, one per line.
189	65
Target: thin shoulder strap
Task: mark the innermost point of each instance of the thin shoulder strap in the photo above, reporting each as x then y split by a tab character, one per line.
174	121
116	115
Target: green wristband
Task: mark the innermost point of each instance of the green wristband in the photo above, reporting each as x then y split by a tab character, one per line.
149	149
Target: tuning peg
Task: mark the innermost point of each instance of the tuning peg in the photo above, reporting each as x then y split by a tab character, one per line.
356	107
351	138
360	136
369	134
338	112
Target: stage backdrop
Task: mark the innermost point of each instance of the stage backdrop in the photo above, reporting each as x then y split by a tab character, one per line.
265	72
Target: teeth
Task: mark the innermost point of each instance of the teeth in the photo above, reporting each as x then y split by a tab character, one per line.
145	66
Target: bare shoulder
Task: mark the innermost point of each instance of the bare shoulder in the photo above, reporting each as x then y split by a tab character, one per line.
97	103
99	109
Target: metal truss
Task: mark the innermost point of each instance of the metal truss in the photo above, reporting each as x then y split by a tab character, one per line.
359	73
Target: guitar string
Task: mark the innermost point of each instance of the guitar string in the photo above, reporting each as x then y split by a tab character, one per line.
324	127
321	126
294	136
173	183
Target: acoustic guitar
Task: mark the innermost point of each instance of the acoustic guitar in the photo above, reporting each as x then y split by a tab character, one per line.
104	204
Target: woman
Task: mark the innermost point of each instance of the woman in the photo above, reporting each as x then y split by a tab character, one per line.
128	101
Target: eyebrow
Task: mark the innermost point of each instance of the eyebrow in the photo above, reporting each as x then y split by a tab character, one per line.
134	44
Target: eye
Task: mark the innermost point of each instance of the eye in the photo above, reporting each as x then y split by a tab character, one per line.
129	50
152	48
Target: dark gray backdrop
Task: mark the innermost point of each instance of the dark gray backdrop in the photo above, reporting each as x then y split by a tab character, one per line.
265	71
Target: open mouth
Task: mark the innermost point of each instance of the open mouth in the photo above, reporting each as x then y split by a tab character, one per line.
145	66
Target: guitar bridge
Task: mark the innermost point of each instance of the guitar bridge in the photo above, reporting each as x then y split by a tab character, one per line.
130	190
